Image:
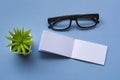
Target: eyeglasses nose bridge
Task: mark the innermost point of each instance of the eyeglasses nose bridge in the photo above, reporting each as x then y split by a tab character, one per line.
73	18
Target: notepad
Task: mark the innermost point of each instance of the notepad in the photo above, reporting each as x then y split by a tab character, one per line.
74	48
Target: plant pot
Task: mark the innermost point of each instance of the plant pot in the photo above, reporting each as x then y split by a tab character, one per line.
21	41
20	52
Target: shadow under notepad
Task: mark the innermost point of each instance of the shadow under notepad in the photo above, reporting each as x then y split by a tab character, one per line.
46	55
88	62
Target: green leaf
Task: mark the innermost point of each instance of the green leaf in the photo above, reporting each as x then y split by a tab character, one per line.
27	47
26	33
28	42
18	31
12	44
19	50
9	38
14	48
15	30
22	30
23	49
28	38
11	33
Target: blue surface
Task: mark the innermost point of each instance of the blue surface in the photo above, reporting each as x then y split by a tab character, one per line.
33	14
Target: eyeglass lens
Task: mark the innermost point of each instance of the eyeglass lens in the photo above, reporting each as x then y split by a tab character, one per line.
61	24
85	22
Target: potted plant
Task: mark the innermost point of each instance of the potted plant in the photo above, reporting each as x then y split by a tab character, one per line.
21	41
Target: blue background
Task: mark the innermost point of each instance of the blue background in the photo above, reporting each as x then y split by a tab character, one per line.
33	14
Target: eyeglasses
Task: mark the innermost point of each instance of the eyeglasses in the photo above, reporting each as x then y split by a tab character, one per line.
84	21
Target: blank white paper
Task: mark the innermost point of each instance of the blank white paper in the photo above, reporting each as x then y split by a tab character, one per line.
88	51
56	43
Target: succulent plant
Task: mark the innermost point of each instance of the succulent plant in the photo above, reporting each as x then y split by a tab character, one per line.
21	41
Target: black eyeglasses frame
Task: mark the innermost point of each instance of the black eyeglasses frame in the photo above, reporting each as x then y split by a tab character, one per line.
94	17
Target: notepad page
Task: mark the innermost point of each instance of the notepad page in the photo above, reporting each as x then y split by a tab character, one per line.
88	51
56	43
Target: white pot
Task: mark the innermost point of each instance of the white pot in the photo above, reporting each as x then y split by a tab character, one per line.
19	53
